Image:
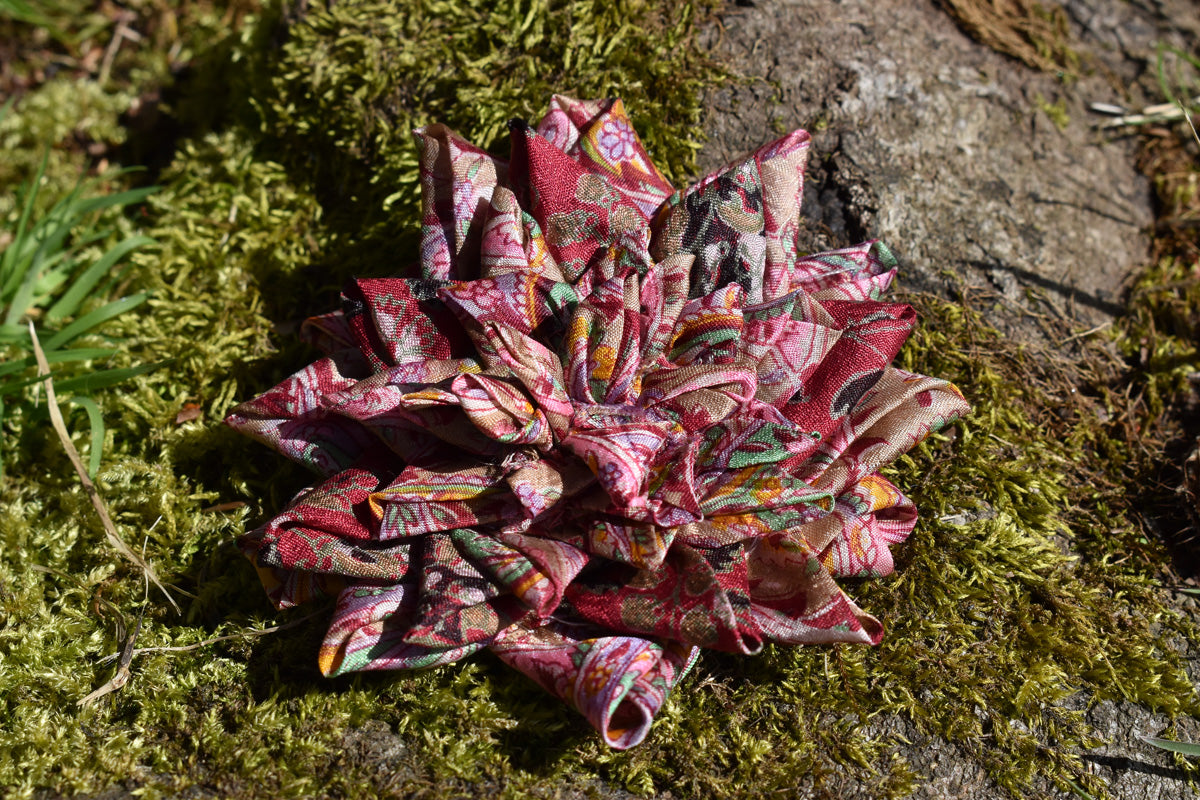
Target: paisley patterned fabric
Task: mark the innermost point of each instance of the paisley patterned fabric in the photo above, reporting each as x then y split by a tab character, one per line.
609	423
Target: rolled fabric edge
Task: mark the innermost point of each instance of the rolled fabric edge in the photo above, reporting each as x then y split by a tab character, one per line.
618	683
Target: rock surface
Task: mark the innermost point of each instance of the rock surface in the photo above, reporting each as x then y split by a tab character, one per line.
980	173
963	160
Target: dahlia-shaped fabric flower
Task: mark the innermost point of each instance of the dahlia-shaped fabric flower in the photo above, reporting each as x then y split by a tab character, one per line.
608	424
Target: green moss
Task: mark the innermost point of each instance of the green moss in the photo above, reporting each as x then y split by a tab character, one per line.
301	173
354	78
55	122
1160	337
1056	112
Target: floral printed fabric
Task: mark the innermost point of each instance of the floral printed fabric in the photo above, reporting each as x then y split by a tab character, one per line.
609	423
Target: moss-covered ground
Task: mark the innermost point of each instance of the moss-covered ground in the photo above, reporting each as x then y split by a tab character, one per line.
278	134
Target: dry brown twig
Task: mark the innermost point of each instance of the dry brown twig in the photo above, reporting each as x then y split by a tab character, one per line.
124	672
60	428
1187	115
127	653
128	649
1161	113
122	32
122	675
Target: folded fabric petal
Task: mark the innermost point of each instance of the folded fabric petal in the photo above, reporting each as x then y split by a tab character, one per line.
617	682
457	182
609	424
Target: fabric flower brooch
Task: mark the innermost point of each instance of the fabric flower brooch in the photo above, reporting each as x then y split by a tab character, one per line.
609	424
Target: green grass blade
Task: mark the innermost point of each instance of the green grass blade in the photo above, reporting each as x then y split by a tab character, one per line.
94	318
23	299
1164	85
99	380
14	386
49	234
16	256
57	357
36	262
96	421
22	11
52	262
11	276
1079	790
1160	70
127	198
85	383
69	303
54	274
30	196
1183	748
14	333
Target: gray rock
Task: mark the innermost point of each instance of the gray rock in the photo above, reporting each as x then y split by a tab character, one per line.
941	147
1130	767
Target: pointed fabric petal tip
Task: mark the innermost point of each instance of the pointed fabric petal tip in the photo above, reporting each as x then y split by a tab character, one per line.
329	659
610	423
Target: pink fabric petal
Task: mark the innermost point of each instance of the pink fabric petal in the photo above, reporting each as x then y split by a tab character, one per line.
457	181
618	683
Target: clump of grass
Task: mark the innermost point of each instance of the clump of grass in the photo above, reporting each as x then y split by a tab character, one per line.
56	272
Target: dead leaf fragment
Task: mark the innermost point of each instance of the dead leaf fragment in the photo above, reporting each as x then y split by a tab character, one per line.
189	412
